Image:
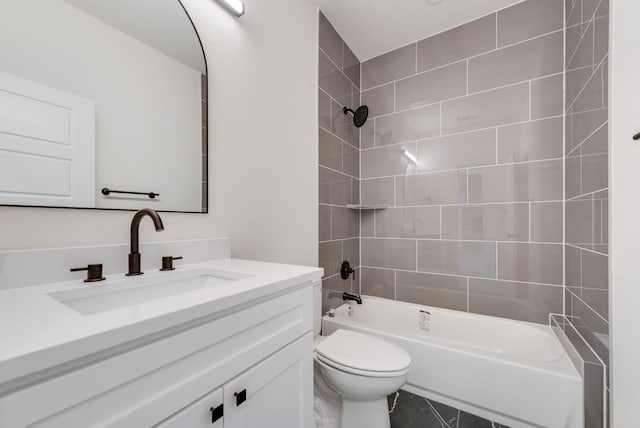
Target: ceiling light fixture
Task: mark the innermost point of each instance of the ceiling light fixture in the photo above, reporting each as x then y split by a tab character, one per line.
235	6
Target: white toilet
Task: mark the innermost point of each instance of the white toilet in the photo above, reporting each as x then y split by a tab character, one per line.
362	370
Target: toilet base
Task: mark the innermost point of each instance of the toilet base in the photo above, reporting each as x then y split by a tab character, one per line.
365	414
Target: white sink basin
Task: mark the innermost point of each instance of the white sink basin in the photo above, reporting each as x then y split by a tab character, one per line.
109	295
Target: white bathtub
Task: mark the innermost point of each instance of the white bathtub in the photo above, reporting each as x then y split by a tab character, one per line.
510	372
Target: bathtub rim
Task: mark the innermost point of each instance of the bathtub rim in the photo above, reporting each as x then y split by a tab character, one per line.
562	366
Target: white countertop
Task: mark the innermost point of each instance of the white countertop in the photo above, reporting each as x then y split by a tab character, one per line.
37	332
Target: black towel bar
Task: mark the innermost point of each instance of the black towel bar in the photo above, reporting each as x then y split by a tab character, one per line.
106	191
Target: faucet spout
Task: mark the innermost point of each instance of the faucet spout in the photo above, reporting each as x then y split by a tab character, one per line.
350	296
134	255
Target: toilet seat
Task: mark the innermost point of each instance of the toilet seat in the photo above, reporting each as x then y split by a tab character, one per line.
351	370
363	355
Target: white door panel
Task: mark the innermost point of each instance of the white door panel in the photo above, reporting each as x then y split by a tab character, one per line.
47	145
34	118
16	175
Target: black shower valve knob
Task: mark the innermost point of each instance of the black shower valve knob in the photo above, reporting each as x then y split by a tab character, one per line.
347	270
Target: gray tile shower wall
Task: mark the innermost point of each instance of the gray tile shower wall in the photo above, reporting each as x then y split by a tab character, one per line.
477	224
339	163
505	212
586	190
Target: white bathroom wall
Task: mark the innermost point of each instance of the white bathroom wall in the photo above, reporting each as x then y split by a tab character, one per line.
262	145
624	270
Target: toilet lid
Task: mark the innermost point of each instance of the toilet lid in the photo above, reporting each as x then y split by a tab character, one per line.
363	352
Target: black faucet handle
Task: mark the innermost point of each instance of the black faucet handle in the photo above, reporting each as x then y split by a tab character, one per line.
167	262
346	270
94	272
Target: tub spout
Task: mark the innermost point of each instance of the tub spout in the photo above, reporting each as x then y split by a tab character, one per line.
349	296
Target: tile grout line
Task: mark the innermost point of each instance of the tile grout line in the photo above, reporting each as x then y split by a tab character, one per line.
417	265
472	131
484	241
497	146
572	56
584	86
462	204
530	220
467	186
461	275
577	247
395	285
339	172
596	313
441	234
441	103
468	294
411	76
497	275
330	131
530	100
564	163
579	146
339	68
467	91
469	94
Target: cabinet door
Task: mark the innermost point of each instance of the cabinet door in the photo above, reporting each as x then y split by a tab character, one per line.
204	413
278	392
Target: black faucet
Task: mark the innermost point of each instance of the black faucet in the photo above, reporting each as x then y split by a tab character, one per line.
349	296
134	255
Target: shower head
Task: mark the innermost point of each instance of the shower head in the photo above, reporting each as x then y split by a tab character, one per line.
359	116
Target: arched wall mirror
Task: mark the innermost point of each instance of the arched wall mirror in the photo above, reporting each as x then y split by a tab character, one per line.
100	97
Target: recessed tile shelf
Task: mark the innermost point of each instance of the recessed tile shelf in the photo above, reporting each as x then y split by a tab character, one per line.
367	207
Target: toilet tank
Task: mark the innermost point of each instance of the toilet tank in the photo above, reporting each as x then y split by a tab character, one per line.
317	307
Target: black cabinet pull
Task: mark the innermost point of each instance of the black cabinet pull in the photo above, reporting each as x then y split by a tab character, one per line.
637	136
241	397
216	413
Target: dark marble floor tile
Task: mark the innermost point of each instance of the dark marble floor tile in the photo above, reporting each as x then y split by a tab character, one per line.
470	421
413	411
449	414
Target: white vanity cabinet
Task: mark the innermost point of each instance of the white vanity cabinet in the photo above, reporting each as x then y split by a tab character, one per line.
255	359
270	394
207	412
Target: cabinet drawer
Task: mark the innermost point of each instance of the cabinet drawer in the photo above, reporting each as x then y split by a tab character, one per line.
205	413
143	387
